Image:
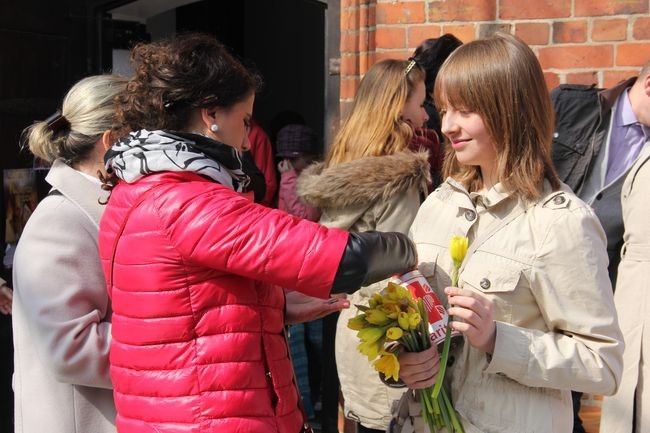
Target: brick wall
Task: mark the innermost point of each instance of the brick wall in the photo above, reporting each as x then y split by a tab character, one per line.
577	41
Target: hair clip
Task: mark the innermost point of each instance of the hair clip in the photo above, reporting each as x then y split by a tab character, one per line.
410	66
57	122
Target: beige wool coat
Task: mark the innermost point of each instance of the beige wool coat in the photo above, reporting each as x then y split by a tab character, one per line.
372	193
543	264
632	298
61	314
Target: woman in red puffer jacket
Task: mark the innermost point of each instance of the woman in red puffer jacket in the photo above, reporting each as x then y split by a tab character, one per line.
194	268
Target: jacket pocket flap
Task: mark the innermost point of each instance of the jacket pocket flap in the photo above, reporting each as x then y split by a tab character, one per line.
490	277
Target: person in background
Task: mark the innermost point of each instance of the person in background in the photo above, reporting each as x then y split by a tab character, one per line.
370	180
597	138
61	310
297	146
534	302
6	297
262	152
198	339
628	411
430	55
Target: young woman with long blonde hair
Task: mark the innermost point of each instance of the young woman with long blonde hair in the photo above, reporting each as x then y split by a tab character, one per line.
372	181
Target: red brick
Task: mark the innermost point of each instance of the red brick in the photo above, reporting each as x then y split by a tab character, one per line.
364	63
519	9
566	32
612	78
487	29
400	13
552	80
592	8
582	78
609	30
633	54
391	37
350	43
349	65
382	55
576	56
462	10
349	87
372	41
641	29
417	34
464	32
532	33
350	19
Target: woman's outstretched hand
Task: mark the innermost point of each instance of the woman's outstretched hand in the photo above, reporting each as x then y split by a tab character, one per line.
477	314
302	308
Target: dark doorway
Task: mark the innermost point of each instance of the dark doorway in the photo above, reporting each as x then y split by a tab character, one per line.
283	39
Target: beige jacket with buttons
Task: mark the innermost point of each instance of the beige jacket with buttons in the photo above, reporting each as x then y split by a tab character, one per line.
544	266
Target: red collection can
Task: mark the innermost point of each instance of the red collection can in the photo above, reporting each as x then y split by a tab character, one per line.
438	317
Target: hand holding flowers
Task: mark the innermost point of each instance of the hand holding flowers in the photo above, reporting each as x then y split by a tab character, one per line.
419	369
393	330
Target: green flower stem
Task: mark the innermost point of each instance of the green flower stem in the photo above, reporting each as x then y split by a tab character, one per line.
458	428
447	343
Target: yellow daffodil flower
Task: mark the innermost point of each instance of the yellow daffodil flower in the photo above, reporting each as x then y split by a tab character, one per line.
458	249
394	333
370	349
388	364
414	320
391	310
376	300
357	323
403	320
370	334
376	317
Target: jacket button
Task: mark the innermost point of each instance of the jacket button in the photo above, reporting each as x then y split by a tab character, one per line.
599	196
558	199
485	283
268	374
470	215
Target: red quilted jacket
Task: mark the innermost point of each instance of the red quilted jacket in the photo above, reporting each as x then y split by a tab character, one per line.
198	311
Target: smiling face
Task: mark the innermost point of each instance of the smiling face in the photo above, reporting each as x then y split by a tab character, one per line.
469	138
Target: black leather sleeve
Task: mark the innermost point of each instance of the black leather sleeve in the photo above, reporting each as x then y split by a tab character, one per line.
373	256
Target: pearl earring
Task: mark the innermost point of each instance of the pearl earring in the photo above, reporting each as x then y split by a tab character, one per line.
214	127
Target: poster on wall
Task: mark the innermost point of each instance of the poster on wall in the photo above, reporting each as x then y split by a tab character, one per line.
21	199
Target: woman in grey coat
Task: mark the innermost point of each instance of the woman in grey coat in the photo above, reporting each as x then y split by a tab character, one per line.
61	309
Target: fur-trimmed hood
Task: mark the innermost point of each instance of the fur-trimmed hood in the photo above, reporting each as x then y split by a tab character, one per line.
363	180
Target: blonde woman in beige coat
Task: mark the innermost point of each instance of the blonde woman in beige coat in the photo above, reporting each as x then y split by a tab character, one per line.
629	409
371	181
533	302
61	309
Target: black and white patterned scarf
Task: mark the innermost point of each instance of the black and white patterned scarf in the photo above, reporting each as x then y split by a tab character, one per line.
143	152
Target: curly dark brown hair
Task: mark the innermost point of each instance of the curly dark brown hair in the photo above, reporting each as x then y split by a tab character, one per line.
174	77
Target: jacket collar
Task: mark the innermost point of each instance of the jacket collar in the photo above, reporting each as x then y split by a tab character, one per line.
456	194
363	180
609	96
81	191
